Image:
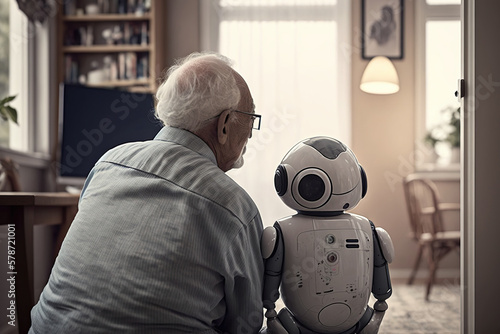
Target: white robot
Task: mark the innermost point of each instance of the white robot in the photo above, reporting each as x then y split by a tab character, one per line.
324	261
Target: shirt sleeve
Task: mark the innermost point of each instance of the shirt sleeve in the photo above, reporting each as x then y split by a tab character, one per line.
243	289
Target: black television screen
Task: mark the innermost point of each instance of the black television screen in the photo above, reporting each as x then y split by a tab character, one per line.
94	120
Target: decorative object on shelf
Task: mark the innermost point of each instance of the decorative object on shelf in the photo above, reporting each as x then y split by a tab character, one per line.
380	77
117	35
107	34
382	28
96	74
92	9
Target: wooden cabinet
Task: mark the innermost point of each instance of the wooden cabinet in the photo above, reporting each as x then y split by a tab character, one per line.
111	43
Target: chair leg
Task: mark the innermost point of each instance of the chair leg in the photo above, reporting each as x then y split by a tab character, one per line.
416	265
429	283
432	271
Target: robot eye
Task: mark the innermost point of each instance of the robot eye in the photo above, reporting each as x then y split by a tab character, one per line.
311	187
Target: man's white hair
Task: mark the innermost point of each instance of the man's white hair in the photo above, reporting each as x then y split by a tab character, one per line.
197	88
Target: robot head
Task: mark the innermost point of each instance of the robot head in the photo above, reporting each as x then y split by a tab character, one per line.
320	176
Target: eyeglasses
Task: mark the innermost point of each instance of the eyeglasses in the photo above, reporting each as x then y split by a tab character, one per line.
255	125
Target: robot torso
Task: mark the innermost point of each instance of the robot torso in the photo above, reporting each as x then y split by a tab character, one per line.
327	270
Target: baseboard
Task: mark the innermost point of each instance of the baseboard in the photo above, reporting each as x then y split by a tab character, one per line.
402	275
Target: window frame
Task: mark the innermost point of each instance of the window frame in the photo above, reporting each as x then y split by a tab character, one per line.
424	13
210	12
33	83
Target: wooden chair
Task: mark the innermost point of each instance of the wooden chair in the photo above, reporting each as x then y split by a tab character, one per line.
426	220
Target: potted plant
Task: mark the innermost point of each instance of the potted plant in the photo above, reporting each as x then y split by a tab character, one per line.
6	111
453	130
445	134
431	139
8	170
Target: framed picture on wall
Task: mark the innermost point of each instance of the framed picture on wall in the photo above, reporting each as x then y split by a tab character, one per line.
382	28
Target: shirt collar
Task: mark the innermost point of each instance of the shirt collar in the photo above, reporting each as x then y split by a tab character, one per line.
186	139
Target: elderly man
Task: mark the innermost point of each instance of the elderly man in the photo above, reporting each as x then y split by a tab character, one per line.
164	241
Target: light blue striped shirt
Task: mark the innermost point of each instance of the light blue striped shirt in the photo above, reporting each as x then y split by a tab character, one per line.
164	242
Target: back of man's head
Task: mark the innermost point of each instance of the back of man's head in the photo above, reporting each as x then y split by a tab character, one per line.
197	88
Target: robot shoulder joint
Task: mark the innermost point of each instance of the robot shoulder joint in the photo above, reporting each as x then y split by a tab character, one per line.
268	241
385	244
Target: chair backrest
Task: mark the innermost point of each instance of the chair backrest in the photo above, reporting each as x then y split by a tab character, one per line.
422	201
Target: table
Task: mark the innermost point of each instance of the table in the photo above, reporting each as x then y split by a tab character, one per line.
21	211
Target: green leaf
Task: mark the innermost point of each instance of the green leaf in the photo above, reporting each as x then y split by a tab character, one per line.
12	113
7	100
3	114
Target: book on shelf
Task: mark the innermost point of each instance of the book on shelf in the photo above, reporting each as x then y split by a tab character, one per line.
143	67
71	70
131	65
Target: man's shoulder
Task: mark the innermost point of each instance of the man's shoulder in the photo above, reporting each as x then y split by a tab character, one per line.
187	169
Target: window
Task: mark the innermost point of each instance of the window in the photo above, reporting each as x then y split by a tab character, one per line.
14	71
295	56
438	70
30	78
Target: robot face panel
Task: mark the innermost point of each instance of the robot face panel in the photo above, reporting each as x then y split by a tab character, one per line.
320	174
311	188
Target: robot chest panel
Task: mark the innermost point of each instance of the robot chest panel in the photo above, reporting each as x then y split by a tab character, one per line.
332	261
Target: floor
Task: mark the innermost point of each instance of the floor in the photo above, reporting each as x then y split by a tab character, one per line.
409	313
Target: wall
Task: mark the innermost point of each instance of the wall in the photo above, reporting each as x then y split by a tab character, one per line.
182	31
383	139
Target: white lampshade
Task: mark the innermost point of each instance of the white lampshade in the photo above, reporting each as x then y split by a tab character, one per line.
380	77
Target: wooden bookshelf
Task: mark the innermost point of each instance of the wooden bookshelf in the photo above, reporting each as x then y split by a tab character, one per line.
110	49
106	48
106	17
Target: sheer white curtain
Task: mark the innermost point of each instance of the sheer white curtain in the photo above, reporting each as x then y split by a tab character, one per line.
295	57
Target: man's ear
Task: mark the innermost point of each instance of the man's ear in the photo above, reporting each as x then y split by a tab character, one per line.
222	127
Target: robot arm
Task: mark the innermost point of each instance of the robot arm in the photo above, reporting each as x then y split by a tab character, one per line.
383	255
272	252
383	251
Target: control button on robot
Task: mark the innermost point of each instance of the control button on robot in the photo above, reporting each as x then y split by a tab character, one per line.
331	257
